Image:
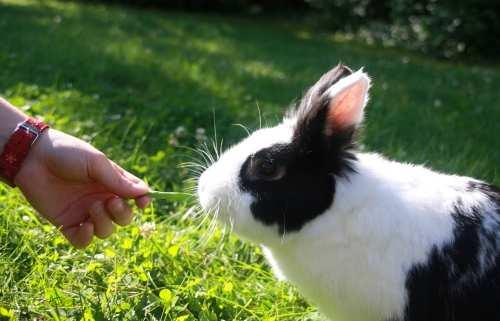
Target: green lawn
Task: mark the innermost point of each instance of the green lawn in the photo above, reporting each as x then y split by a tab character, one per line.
126	79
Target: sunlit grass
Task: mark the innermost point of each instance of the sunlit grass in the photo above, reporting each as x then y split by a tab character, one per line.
138	84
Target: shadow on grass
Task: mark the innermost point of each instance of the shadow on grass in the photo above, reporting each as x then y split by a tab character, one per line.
170	69
128	77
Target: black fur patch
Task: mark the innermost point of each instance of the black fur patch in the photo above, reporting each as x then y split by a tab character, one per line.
311	162
452	285
305	191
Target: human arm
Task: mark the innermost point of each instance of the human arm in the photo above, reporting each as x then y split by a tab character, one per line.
72	184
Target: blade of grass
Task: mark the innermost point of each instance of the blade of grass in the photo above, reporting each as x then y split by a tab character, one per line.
169	196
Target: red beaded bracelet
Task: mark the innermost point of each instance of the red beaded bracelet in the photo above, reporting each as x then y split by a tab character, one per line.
17	148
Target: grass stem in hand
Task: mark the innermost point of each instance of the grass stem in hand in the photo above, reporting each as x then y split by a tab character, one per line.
170	196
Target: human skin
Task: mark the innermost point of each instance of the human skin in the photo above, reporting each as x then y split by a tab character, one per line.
72	184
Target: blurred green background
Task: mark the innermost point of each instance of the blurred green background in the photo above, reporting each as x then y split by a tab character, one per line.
145	81
442	28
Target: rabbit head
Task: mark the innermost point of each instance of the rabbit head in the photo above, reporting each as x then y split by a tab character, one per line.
279	179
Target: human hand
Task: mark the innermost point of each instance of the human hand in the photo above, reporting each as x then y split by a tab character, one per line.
77	188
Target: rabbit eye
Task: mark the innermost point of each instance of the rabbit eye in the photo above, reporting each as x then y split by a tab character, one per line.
265	169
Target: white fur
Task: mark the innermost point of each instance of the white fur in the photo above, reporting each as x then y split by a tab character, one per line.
353	259
218	186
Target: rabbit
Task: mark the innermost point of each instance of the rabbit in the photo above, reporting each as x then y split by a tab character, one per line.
362	237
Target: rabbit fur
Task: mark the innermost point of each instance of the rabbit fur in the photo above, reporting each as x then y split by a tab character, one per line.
362	237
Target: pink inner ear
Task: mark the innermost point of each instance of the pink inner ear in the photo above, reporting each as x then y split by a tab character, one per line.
346	108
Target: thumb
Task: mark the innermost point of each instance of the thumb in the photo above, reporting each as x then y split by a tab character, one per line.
114	178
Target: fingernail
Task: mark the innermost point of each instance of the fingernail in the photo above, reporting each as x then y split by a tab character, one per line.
141	185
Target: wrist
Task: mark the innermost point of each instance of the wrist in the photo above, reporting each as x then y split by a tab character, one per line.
18	147
10	118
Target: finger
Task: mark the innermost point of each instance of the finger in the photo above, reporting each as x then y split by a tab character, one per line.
119	211
143	201
103	226
131	177
113	177
79	236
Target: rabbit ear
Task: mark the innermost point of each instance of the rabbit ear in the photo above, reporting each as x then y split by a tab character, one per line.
334	104
326	81
347	101
326	122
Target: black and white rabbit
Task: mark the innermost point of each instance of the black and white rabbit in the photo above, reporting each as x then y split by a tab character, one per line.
363	237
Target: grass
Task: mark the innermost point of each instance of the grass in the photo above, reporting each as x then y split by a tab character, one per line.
127	79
